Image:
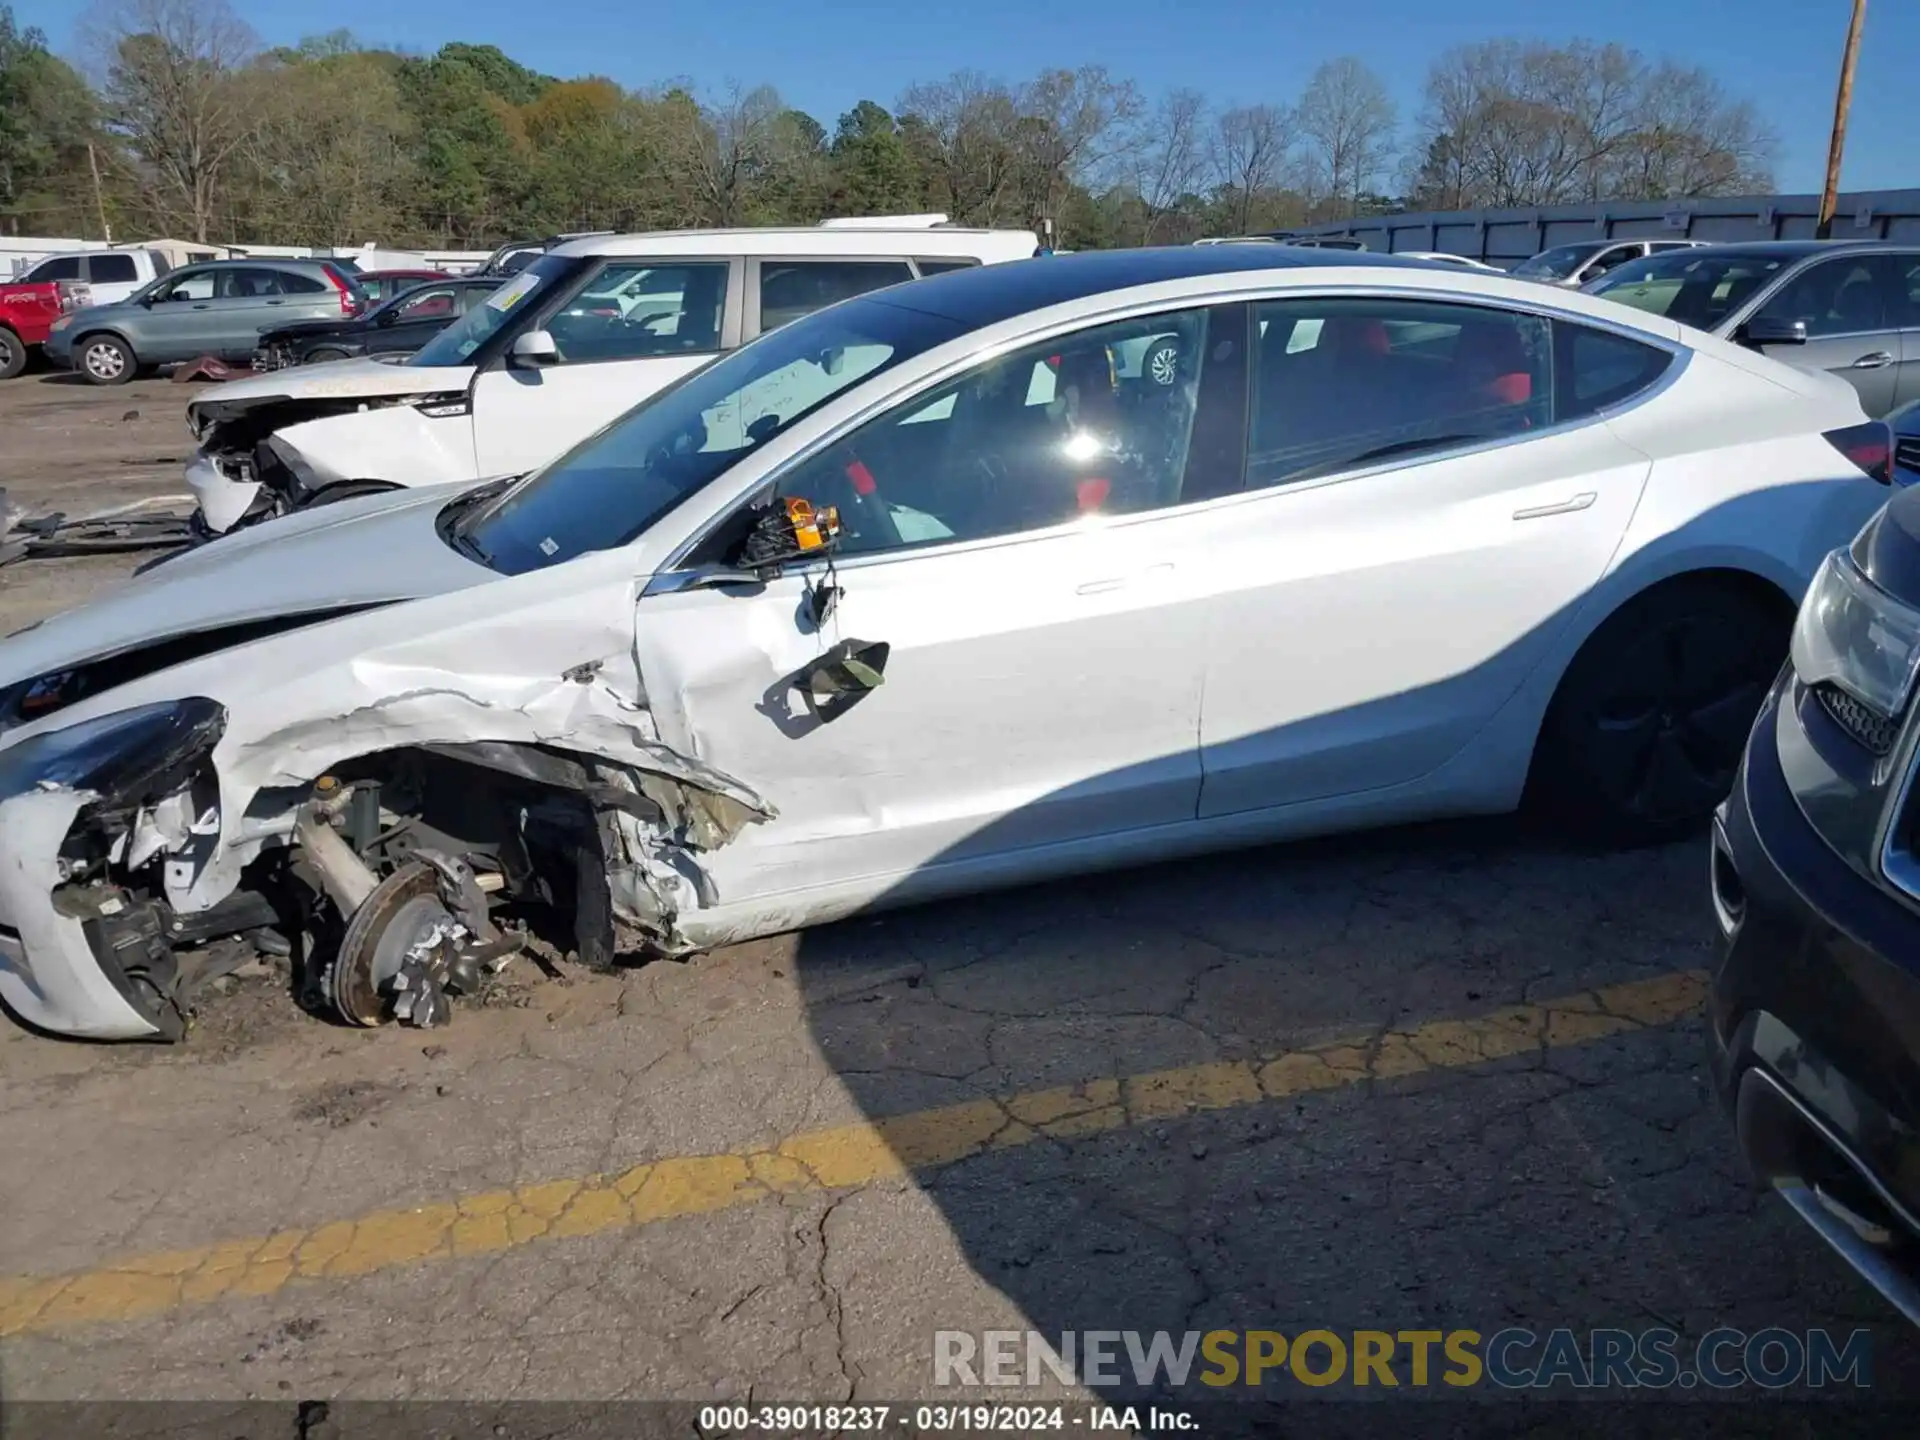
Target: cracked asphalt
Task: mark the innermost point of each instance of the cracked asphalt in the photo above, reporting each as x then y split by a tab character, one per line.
1436	1078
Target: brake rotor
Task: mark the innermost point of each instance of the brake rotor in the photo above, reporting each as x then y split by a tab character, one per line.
396	943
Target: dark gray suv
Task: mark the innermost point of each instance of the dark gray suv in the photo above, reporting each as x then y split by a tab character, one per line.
216	308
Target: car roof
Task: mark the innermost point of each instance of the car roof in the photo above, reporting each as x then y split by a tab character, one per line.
291	261
982	296
1795	249
811	240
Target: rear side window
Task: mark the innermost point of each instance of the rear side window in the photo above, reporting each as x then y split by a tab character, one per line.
111	269
248	283
940	267
633	309
792	288
1595	369
298	284
1341	383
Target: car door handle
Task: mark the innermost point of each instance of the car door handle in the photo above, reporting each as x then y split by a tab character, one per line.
1560	507
1120	582
203	305
1878	360
276	302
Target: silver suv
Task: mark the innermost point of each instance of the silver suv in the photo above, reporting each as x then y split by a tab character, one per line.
216	308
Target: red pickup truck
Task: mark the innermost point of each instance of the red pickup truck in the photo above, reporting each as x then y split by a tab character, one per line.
27	309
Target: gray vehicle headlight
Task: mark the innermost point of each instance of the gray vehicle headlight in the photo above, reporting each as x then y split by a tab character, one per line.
129	757
1853	635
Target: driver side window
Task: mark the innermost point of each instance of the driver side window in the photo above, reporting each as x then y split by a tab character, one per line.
190	285
1089	425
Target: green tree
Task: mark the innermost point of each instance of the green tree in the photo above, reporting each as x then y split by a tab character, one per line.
875	173
47	116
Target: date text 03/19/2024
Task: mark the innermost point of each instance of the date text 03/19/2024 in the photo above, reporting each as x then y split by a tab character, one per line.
939	1419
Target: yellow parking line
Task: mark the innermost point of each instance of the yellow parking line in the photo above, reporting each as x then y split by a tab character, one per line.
143	1286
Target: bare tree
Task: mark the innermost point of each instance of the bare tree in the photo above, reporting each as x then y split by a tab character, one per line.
1170	157
968	125
1074	125
169	73
723	150
1252	147
1508	123
1347	119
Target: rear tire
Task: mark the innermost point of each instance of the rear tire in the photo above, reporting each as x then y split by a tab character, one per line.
104	359
13	354
1646	731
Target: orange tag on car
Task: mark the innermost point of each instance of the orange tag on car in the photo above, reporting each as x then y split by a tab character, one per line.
812	528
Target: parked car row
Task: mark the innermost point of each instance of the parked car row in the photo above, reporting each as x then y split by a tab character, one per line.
852	608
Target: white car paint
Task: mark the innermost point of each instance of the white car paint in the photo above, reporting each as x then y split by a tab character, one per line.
1374	645
1444	258
424	424
146	264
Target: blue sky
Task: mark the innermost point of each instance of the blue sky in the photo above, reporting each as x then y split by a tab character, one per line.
1782	54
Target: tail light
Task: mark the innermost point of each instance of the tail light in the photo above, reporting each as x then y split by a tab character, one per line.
349	302
1870	446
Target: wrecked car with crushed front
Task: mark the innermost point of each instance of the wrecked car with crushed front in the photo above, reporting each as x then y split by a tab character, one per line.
918	595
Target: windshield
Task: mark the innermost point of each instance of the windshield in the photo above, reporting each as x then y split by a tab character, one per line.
614	484
1693	287
455	344
1559	262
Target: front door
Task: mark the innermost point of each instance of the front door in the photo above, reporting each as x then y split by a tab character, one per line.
629	329
1852	306
1406	552
1021	543
187	324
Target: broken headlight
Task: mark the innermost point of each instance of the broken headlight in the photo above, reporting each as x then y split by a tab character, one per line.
129	757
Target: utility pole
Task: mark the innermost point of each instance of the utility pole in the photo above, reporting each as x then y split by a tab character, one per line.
99	196
1842	100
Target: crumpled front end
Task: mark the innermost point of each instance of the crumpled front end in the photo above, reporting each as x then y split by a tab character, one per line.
83	812
402	816
271	455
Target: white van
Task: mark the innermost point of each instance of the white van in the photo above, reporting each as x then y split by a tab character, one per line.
580	336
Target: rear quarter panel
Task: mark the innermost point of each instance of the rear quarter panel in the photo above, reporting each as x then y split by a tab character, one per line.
1741	480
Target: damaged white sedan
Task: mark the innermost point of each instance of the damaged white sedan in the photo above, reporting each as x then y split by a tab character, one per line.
921	594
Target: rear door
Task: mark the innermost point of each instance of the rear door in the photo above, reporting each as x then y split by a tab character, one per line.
1421	521
1852	306
252	298
629	328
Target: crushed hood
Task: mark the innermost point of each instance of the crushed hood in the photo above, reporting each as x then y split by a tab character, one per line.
372	551
338	380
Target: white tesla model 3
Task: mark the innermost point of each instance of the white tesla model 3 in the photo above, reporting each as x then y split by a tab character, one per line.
927	593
